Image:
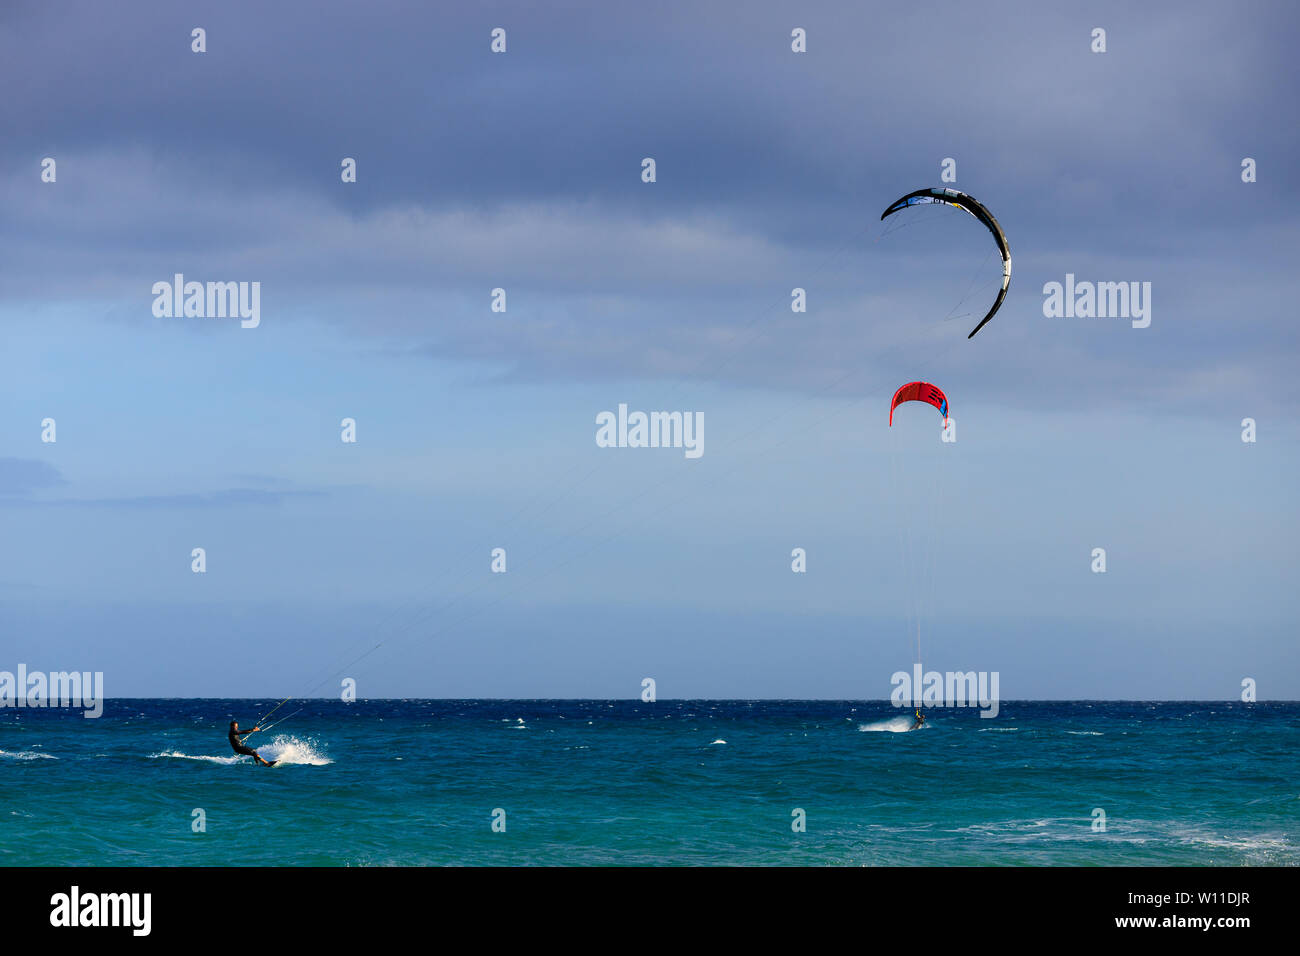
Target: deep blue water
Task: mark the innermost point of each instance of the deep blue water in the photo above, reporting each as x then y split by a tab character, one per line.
621	782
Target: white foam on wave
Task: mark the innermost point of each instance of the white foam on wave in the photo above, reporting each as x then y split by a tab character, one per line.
1262	843
233	758
26	755
284	750
718	741
894	725
293	750
1042	830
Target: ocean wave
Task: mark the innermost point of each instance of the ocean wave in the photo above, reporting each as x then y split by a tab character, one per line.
284	750
26	755
894	725
293	750
233	758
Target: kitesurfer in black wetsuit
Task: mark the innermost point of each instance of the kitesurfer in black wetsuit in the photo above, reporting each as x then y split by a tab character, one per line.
920	719
239	748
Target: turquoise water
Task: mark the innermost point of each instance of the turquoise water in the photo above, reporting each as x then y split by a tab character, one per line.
673	782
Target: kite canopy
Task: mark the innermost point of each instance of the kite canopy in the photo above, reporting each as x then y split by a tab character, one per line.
955	197
919	392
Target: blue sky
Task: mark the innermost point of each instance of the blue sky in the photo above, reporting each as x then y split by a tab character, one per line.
476	429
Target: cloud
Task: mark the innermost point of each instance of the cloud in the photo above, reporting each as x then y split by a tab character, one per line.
221	499
517	171
22	476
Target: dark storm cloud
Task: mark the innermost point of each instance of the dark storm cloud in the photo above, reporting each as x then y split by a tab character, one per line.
522	170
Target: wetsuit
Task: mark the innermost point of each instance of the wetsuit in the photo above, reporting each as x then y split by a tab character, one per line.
239	747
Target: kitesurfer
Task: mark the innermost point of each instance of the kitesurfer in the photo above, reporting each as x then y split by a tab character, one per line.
920	719
240	748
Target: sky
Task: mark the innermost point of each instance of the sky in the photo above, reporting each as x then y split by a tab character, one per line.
476	429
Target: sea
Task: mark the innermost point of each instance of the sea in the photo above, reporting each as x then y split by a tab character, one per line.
670	782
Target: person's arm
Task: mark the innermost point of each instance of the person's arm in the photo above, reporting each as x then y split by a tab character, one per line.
245	733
